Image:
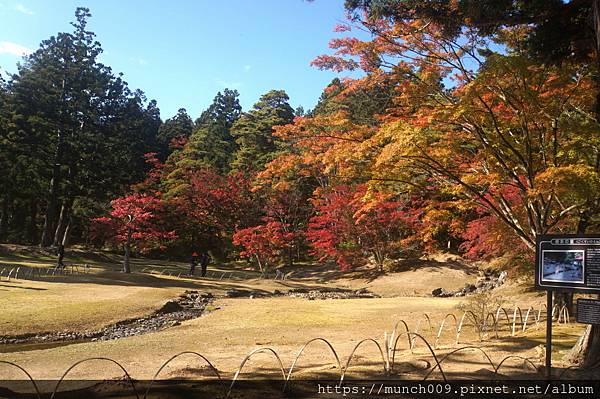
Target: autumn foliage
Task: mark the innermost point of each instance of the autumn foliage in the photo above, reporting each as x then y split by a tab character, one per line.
443	143
350	230
136	220
266	243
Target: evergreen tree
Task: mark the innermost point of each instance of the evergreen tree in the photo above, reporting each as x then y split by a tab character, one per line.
78	130
178	127
361	105
212	145
254	131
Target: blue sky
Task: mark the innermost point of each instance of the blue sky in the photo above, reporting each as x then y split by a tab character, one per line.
182	52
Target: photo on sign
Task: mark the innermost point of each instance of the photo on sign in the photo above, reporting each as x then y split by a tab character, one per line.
563	265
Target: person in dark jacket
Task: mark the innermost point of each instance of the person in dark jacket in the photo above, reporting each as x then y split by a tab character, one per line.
193	263
204	263
60	252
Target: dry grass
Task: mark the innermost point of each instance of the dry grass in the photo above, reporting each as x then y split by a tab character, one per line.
236	326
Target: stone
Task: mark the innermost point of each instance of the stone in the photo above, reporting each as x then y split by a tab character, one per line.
441	292
502	277
234	294
170	307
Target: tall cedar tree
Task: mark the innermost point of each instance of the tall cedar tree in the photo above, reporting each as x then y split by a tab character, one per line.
253	131
179	127
81	131
212	145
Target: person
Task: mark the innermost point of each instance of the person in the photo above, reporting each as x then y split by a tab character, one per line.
204	263
193	263
61	255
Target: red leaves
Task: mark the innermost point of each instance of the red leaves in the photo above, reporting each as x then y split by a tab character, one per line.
218	202
266	243
348	229
136	217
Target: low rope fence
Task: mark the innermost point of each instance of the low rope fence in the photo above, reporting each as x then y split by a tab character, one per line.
386	360
385	351
21	272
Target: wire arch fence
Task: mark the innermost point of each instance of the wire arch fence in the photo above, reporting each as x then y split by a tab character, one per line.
384	363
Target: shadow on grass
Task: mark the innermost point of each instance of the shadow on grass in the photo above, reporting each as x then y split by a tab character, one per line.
15	285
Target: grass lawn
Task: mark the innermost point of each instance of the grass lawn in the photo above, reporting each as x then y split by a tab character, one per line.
235	326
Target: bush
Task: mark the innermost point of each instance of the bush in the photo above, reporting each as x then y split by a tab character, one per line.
478	306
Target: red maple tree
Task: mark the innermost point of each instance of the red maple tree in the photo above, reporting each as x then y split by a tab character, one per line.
266	243
134	220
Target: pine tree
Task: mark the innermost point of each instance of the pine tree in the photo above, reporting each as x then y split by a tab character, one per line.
212	145
254	131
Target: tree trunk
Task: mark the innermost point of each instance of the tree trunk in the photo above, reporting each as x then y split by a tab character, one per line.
596	26
63	219
259	265
49	228
126	266
18	222
67	235
4	218
290	257
586	352
33	232
563	298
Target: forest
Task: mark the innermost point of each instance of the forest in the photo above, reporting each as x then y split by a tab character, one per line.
460	136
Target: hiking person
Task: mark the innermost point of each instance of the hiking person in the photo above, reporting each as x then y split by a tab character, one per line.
193	263
60	252
204	263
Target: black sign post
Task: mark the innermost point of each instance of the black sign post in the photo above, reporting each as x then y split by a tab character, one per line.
566	262
549	334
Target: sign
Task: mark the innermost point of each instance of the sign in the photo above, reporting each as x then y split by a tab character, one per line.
588	311
568	262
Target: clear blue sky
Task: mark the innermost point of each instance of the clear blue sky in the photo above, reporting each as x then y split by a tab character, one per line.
182	52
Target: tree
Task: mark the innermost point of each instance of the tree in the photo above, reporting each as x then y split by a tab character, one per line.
361	104
134	221
80	131
178	127
561	30
507	130
346	227
266	243
253	131
211	145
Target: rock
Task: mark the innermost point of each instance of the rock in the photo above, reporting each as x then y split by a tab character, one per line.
469	288
502	278
234	294
441	292
170	307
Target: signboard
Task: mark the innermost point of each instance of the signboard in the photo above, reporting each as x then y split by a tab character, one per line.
588	311
568	262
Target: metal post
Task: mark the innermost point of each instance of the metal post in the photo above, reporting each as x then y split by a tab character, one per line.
549	334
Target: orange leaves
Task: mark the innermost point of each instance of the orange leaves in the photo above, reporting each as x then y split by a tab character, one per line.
571	184
322	145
